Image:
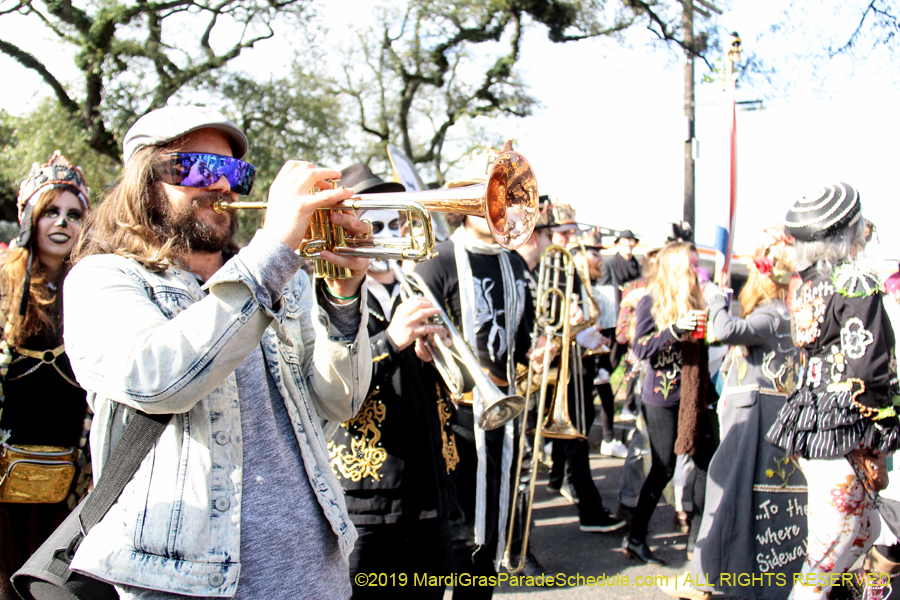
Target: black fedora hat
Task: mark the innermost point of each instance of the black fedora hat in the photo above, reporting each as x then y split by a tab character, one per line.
626	234
361	178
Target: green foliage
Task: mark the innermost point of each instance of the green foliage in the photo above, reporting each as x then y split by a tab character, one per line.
34	138
290	118
133	56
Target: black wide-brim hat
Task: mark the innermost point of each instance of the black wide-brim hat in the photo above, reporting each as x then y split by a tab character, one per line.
626	234
823	213
363	181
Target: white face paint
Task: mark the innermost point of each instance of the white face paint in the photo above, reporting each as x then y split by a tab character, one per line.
385	223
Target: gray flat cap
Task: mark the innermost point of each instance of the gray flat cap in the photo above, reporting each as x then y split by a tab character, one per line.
169	123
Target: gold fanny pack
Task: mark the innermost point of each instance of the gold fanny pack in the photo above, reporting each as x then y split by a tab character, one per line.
32	474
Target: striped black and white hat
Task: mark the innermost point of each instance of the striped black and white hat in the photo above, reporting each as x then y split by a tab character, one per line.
823	213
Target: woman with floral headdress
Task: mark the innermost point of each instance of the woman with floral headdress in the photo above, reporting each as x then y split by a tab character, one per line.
41	403
753	488
841	421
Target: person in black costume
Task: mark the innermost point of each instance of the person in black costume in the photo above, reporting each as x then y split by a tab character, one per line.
394	458
42	404
843	413
482	288
619	269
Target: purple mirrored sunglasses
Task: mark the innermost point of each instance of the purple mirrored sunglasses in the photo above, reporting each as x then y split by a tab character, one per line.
200	170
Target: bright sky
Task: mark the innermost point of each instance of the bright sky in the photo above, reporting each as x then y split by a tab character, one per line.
610	136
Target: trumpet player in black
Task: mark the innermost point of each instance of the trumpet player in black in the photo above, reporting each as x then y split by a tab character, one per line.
395	457
482	287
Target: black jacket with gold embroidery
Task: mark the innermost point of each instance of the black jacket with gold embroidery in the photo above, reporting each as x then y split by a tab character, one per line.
394	457
846	398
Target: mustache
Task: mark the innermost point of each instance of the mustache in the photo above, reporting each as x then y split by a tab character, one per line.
209	199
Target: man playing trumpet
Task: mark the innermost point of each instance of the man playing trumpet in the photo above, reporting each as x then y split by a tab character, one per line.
255	363
395	457
482	288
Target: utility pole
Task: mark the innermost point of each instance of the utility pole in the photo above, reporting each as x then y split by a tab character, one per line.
690	142
691	146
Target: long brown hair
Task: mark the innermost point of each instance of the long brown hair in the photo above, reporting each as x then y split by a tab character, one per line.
771	267
758	289
44	310
124	222
674	285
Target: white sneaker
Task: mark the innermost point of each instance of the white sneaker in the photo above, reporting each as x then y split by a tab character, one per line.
602	377
627	415
613	448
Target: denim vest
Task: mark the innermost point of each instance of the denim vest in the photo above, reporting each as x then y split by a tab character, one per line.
157	342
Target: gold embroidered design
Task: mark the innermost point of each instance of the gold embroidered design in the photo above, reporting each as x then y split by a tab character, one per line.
838	365
785	378
375	359
781	470
448	438
366	456
742	370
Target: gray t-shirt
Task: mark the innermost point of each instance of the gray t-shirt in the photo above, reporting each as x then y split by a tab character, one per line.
288	549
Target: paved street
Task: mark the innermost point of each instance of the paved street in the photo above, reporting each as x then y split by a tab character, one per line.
563	548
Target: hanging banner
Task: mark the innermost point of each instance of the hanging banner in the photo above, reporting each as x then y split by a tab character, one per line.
405	173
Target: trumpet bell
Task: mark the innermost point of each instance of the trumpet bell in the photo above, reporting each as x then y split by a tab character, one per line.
500	411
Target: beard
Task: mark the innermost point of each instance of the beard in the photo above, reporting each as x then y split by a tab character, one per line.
212	232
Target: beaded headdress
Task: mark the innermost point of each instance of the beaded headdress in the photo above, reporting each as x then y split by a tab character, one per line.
57	172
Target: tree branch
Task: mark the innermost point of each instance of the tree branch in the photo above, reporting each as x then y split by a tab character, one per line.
30	62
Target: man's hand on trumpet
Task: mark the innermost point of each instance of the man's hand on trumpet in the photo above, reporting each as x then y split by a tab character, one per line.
291	206
412	322
576	315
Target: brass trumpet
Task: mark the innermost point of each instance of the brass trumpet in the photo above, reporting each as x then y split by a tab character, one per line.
499	407
508	199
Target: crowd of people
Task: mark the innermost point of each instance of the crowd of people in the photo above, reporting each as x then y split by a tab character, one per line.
314	438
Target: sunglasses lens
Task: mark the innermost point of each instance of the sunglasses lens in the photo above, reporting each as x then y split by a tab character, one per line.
195	169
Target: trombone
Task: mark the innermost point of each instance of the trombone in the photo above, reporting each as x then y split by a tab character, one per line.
508	200
552	319
499	408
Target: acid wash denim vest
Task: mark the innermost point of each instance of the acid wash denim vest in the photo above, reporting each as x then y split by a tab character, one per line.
176	526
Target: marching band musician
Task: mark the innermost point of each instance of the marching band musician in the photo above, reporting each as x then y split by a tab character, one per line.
482	288
394	458
573	453
587	257
253	361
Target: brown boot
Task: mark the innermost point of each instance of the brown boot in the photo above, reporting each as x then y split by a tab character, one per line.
877	563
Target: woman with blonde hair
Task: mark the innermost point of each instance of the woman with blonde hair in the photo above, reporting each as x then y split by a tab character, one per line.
748	476
674	391
41	403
